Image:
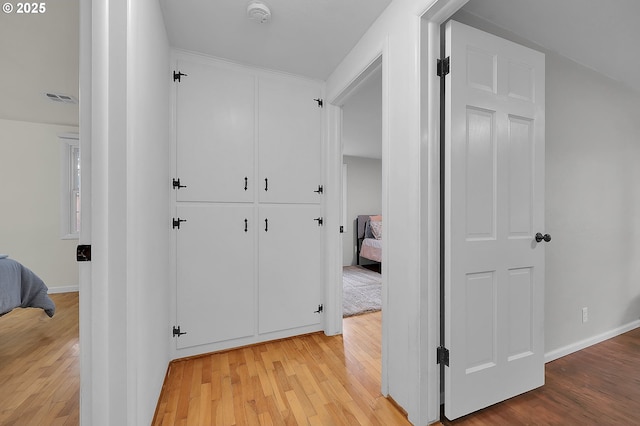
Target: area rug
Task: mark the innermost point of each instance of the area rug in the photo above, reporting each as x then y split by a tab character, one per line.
361	291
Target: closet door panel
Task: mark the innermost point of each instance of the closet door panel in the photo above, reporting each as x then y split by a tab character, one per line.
215	126
289	140
290	267
215	273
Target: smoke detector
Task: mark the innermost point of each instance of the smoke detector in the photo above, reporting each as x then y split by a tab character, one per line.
258	11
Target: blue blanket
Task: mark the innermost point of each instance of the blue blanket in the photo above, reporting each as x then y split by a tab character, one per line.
19	287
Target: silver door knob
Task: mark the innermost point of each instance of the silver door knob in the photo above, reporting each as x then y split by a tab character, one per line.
540	237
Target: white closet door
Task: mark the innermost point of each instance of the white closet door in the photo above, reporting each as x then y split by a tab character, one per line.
215	273
289	140
290	270
215	125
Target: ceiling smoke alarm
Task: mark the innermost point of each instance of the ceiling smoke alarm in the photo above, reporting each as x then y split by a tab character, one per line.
258	11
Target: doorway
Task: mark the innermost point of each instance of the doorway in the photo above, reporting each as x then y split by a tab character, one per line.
362	196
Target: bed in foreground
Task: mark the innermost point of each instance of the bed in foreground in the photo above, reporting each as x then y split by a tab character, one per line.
21	288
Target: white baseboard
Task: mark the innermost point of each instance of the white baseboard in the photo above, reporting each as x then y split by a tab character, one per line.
63	289
574	347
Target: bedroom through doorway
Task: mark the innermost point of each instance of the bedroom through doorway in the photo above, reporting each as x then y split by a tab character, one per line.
362	238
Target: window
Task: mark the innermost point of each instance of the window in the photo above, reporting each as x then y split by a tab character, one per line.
70	186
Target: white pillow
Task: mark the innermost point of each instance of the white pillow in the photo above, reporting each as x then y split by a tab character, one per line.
376	229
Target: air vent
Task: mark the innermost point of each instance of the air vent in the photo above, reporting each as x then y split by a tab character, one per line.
57	97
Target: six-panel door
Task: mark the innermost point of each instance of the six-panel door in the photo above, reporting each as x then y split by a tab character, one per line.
494	192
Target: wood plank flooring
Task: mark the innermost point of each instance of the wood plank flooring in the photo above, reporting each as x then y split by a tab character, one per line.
313	379
599	385
39	365
320	380
306	380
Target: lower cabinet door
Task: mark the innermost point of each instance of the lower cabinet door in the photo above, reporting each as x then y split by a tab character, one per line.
290	267
215	273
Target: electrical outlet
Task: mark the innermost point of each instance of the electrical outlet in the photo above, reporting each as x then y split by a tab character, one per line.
585	315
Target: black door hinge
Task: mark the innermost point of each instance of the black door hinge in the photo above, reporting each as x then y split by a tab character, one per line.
320	102
320	189
342	229
178	75
83	253
177	222
177	185
444	66
320	309
320	221
177	332
443	355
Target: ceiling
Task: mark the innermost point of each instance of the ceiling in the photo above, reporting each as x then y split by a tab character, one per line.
304	37
39	54
603	36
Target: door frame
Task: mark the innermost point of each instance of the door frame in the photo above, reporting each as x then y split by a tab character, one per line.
431	17
334	258
430	51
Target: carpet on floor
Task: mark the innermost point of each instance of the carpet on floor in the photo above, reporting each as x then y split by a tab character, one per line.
361	291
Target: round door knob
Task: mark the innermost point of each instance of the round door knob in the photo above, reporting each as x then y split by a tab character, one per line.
545	237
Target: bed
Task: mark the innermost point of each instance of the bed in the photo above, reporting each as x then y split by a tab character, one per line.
369	238
21	288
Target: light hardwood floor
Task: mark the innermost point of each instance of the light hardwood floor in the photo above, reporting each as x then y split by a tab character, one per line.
39	366
306	380
320	380
313	379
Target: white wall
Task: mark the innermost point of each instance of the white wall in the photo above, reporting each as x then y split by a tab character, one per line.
148	203
30	171
592	199
362	119
592	203
129	334
364	191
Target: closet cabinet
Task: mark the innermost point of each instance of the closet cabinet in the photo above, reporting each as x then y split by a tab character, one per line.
289	141
215	132
214	257
290	274
248	205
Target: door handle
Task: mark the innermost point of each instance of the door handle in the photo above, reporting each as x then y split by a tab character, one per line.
540	237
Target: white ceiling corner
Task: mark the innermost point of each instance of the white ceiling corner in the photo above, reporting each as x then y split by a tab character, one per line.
303	37
603	36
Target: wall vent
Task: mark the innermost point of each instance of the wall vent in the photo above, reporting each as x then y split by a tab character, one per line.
57	97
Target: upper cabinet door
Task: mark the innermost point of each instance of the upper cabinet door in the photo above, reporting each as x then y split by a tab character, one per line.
289	140
215	126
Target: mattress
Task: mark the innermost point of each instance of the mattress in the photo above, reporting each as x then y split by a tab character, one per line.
371	249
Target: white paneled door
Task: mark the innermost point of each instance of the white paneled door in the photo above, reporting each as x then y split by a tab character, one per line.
290	288
215	258
215	127
494	206
289	141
